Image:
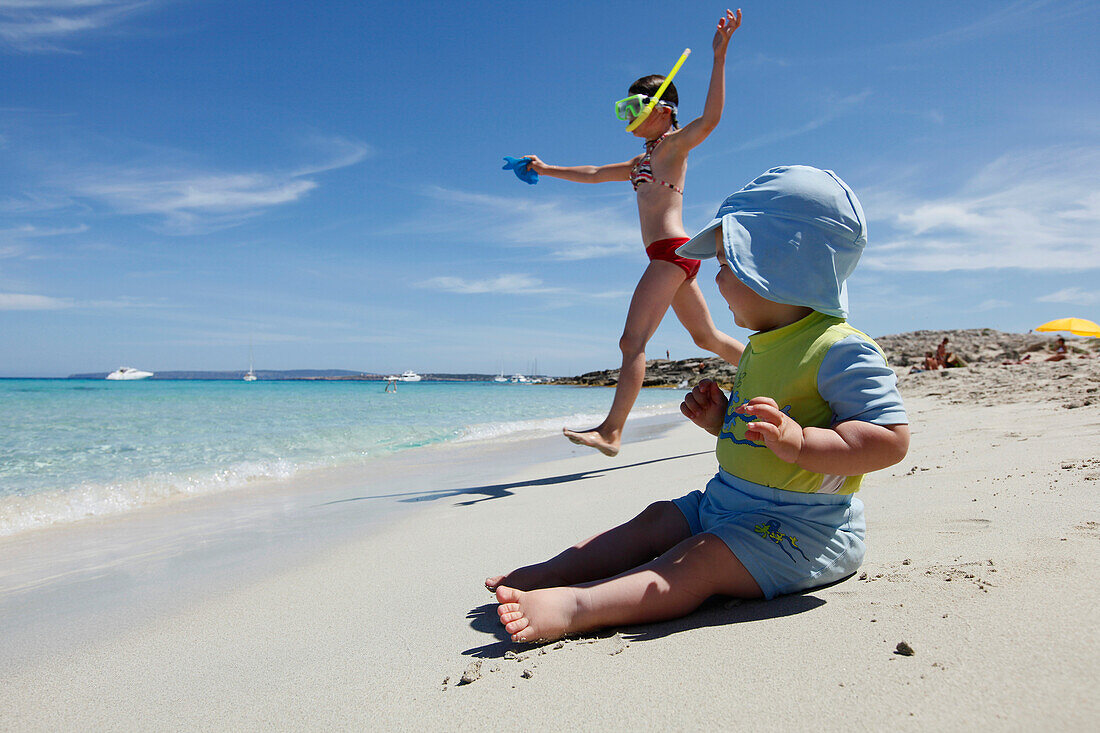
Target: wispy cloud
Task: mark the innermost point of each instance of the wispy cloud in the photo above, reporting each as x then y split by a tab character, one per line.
1037	210
1072	296
35	202
619	295
516	284
568	229
28	302
27	231
1021	15
58	173
31	302
187	198
993	304
190	200
17	241
46	25
833	109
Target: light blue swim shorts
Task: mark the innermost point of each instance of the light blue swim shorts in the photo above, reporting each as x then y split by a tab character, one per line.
787	540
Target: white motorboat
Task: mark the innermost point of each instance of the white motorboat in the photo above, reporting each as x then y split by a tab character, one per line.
519	379
407	376
128	374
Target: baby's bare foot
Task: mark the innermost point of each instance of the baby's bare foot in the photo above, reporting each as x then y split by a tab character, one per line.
593	439
530	577
538	615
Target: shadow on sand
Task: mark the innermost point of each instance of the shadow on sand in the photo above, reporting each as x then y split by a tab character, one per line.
499	491
717	611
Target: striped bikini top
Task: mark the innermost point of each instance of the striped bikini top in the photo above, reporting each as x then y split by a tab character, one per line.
643	172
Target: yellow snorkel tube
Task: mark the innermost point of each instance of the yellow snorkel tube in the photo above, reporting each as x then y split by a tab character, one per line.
660	90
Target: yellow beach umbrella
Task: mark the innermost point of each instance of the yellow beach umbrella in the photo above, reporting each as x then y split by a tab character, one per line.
1079	326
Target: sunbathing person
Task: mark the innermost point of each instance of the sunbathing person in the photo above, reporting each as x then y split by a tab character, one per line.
1060	350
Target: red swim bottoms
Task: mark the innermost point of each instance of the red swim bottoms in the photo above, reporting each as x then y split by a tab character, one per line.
665	249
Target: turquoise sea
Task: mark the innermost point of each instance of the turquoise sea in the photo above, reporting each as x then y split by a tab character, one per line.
73	449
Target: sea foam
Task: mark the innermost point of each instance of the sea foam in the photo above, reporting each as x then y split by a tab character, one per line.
70	453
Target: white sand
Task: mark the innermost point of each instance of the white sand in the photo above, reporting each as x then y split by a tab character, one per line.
982	556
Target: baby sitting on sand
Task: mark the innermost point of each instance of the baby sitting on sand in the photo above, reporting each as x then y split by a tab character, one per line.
813	408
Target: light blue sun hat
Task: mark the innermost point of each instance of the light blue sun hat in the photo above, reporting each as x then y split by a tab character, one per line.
793	234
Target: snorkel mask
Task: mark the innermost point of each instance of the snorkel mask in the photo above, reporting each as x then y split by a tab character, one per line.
640	106
631	108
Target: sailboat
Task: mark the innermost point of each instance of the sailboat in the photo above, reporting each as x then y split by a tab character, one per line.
251	375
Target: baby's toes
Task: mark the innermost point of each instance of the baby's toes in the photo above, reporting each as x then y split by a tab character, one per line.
507	595
517	625
510	616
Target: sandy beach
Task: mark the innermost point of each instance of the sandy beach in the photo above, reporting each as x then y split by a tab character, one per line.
302	304
313	608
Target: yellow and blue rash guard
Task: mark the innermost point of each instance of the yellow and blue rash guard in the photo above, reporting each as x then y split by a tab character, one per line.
820	371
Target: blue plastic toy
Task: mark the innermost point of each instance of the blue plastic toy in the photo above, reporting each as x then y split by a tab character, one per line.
519	167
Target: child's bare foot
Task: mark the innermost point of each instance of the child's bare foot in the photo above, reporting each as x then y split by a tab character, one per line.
538	615
530	577
593	439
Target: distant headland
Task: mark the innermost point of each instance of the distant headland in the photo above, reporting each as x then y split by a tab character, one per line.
975	345
297	374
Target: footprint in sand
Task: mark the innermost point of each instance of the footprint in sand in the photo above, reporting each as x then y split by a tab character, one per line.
967	572
1087	466
968	525
1089	529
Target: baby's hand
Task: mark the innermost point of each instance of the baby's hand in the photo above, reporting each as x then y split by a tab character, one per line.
726	27
706	406
781	435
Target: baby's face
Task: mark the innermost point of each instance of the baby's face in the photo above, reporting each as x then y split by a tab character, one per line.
740	297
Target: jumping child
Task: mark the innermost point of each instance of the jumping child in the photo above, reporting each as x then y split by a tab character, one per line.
658	178
814	406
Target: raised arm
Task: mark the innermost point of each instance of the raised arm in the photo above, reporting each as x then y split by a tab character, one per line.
584	173
698	129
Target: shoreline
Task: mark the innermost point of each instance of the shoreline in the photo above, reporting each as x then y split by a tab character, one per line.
60	497
204	543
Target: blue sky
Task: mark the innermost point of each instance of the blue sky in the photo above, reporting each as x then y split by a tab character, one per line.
183	176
